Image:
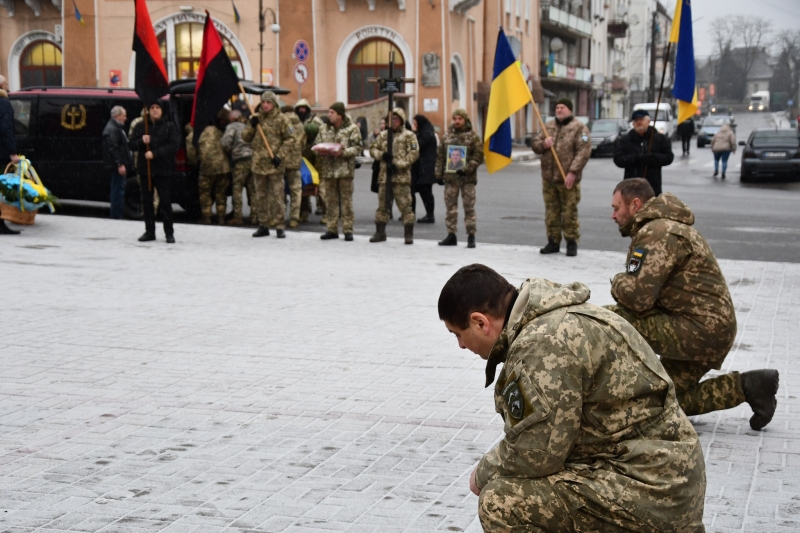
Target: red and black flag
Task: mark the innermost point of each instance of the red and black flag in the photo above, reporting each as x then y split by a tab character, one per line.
151	77
217	81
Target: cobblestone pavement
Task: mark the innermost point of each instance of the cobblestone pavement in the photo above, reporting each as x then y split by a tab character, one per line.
240	384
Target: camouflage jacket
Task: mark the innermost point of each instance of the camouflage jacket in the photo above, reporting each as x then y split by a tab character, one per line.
312	125
586	402
349	136
212	159
573	145
405	151
233	143
280	135
464	137
295	154
670	268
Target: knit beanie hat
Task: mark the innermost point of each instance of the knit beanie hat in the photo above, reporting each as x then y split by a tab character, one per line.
567	102
338	107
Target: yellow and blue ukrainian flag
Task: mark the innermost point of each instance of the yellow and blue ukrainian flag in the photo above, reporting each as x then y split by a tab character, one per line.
308	173
78	15
509	94
685	87
236	17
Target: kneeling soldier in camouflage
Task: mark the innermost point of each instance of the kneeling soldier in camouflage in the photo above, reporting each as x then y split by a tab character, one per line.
674	294
594	437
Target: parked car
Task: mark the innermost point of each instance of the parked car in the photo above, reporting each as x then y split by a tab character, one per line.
711	125
604	133
60	129
663	122
770	153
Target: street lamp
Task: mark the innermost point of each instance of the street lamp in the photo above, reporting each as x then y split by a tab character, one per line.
262	25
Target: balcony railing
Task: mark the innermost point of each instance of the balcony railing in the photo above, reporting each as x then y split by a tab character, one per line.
567	72
559	17
617	29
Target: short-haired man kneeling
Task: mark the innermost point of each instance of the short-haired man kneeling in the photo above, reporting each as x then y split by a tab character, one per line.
594	437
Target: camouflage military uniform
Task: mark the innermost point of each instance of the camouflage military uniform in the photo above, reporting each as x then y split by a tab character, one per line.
311	123
674	294
242	155
269	179
214	173
405	151
338	172
574	147
455	184
594	437
293	162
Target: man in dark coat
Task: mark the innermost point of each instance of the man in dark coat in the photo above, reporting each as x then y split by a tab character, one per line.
158	147
686	130
117	158
632	153
423	173
8	145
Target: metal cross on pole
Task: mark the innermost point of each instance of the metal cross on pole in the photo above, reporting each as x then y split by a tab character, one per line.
389	85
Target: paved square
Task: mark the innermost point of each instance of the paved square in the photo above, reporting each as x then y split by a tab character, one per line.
240	384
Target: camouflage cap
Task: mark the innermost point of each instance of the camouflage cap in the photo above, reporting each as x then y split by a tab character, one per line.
269	96
302	103
461	113
400	113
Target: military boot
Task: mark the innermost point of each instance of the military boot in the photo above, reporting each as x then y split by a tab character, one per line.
450	240
147	236
236	221
294	223
572	248
205	221
328	235
471	241
380	232
262	231
552	247
409	233
280	233
760	388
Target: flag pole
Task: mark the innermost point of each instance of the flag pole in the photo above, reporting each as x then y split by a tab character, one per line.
546	136
658	102
147	147
260	131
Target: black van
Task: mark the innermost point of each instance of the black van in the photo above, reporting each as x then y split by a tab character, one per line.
60	129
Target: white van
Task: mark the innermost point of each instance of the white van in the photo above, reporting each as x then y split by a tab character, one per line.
663	122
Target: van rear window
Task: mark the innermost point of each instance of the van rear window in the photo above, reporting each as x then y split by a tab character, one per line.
22	116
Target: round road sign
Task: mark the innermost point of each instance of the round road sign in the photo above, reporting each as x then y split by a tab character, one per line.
300	73
301	50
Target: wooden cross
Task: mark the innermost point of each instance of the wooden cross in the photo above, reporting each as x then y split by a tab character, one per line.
389	85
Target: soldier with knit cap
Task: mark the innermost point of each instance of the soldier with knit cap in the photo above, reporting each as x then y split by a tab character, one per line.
293	162
337	170
570	138
269	169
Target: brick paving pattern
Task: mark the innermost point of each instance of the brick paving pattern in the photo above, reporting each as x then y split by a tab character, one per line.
235	384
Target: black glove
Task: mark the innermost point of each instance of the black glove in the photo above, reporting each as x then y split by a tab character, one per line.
440	181
254	120
276	161
387	157
461	172
358	163
392	168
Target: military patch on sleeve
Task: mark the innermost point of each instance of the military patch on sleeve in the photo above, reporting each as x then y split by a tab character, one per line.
515	403
291	129
584	137
636	261
413	146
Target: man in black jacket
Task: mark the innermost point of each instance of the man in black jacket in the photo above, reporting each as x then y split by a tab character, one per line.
117	158
686	130
158	147
631	151
8	145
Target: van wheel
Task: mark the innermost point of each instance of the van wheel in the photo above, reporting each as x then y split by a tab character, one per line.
133	199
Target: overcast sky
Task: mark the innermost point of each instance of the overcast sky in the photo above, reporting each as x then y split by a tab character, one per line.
784	14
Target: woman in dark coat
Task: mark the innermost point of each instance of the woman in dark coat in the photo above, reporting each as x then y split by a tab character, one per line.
423	171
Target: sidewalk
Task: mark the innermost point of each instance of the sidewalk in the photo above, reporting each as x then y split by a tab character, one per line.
240	384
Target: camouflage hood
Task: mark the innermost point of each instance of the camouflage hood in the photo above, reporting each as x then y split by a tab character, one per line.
665	206
536	297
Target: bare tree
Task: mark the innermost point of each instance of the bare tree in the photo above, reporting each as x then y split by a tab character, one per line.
788	46
722	31
753	33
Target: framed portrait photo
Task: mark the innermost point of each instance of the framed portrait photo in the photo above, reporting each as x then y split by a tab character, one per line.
456	158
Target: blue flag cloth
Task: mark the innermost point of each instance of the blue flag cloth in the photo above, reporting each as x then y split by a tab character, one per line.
685	87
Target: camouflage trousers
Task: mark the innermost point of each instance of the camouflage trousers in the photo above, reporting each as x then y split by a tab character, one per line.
243	179
294	182
561	211
516	505
271	200
217	185
339	202
402	197
451	191
694	396
321	196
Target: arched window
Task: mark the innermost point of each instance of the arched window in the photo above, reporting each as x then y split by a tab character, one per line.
188	45
454	81
40	64
371	59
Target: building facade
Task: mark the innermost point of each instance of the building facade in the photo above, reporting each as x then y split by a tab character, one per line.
609	56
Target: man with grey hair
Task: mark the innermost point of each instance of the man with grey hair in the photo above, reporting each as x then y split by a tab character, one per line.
117	158
8	145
